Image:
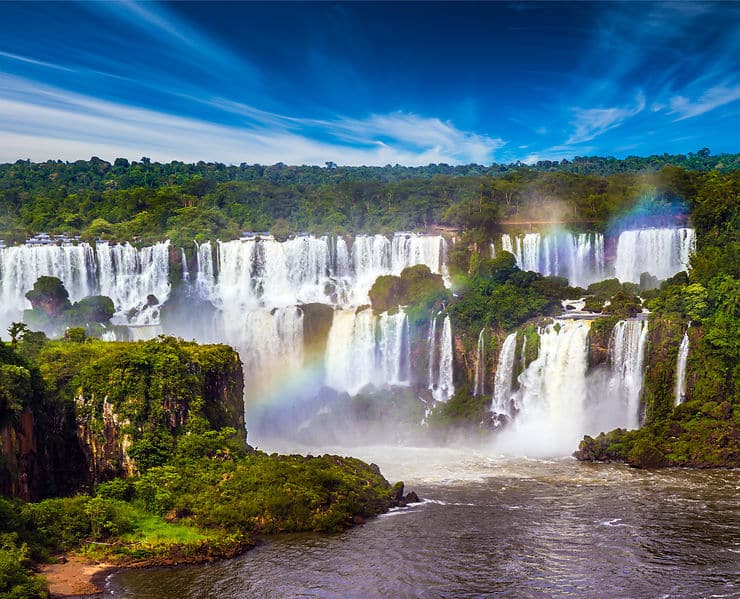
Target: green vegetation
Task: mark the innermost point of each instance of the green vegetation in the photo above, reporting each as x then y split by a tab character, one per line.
154	434
417	288
704	431
500	296
150	201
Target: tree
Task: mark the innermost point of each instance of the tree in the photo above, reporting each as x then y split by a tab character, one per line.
17	330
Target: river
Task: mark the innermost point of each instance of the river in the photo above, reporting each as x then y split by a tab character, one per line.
495	526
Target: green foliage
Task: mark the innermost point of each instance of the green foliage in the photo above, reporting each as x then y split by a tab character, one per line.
461	410
75	335
49	295
16	579
623	305
417	287
500	296
149	200
15	391
704	431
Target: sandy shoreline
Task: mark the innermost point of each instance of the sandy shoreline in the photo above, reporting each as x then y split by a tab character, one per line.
76	577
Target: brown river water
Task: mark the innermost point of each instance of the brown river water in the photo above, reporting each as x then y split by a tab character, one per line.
491	526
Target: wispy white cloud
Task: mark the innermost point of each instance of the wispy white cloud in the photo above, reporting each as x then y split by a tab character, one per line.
40	122
589	123
720	95
34	61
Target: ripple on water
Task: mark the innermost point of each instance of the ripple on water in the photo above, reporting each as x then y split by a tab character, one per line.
504	528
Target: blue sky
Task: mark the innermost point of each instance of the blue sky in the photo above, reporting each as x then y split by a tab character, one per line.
367	83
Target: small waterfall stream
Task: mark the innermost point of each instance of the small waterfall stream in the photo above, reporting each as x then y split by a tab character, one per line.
504	379
683	355
626	356
480	365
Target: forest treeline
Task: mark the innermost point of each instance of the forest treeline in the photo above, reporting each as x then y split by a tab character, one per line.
147	200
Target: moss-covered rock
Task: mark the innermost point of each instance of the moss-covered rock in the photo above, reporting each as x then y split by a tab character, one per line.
416	287
131	400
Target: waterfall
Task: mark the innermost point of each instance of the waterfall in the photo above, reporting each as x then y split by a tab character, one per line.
578	257
661	252
443	387
20	266
683	354
480	365
365	349
205	276
626	355
129	275
551	398
432	356
185	267
504	378
122	272
270	344
305	269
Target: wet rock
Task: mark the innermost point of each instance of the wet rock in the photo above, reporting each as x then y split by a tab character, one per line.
412	497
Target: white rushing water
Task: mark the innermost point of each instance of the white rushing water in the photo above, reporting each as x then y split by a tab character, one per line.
480	365
365	349
445	387
627	355
551	399
577	256
123	272
683	355
266	272
660	252
128	275
504	378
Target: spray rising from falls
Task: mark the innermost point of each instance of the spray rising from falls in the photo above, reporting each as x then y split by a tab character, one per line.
683	355
558	399
365	349
660	252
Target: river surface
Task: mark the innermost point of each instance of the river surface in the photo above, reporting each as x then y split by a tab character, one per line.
492	526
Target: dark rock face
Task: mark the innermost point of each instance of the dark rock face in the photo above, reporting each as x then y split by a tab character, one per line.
106	406
19	476
112	424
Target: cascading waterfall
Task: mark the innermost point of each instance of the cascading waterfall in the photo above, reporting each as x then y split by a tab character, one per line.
129	275
660	252
365	349
551	399
185	267
270	343
20	266
432	355
683	355
626	355
504	379
441	381
205	276
578	257
122	272
480	365
305	269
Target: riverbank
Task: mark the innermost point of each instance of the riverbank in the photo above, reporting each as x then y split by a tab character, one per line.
76	576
